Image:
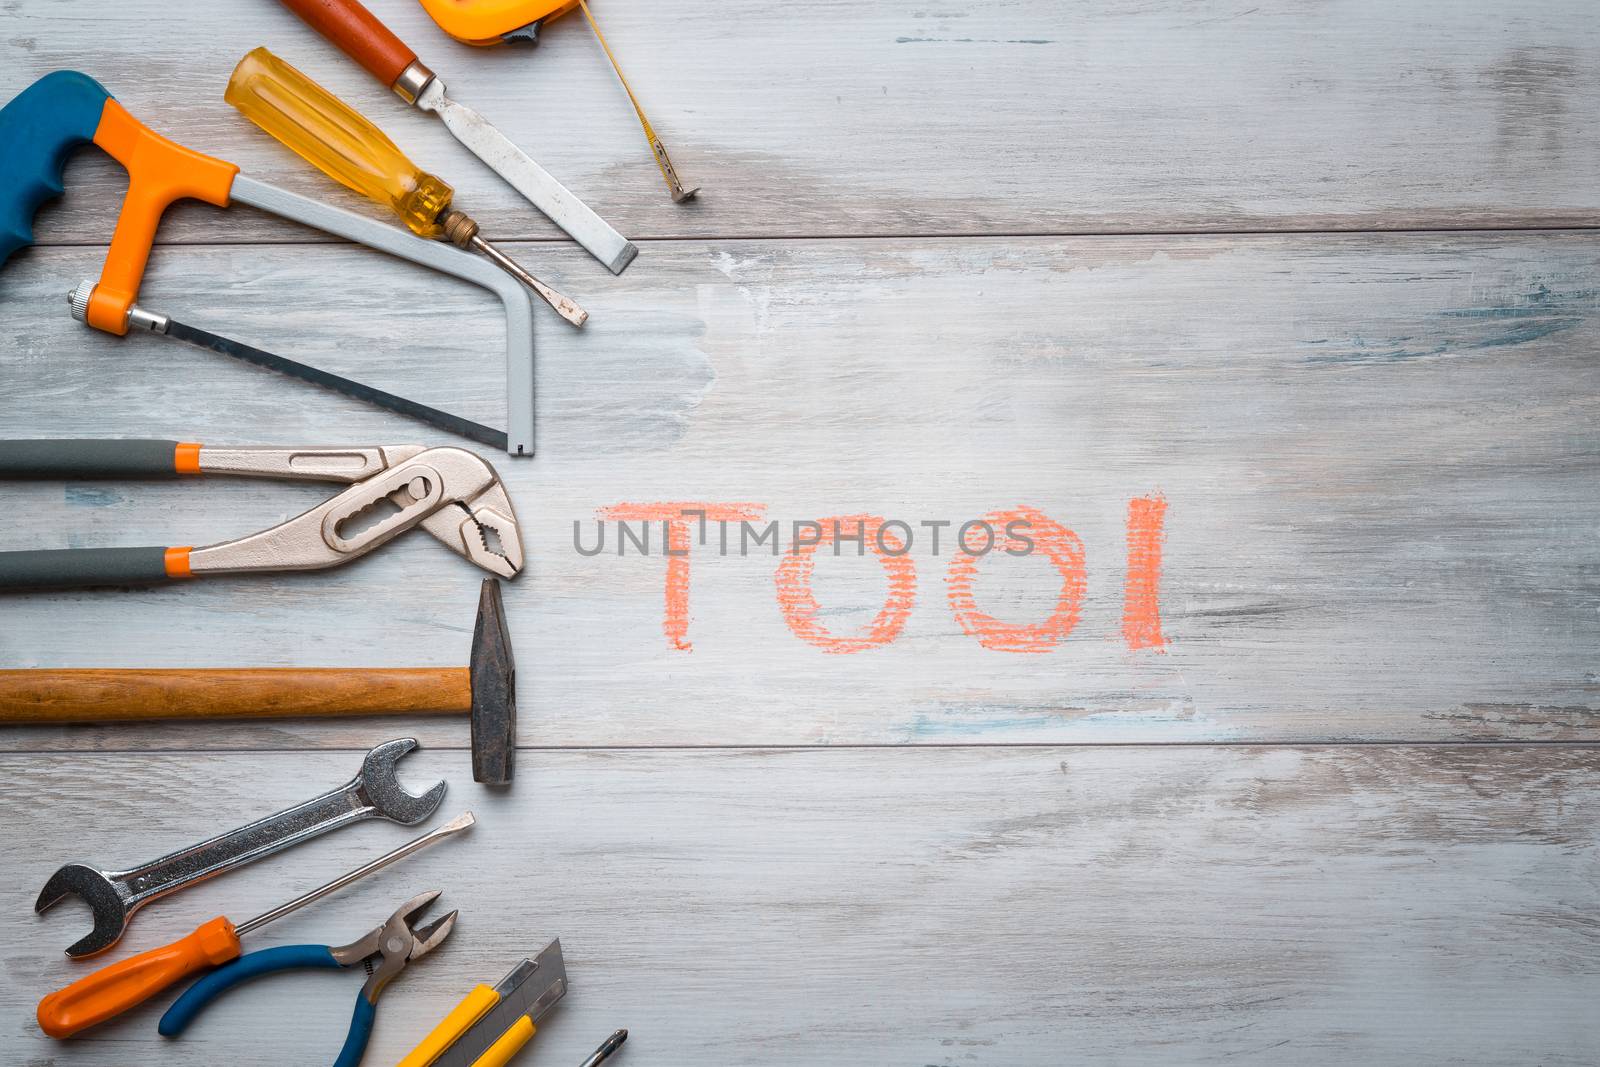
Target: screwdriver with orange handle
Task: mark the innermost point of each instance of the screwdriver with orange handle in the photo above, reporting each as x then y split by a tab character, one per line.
342	143
128	983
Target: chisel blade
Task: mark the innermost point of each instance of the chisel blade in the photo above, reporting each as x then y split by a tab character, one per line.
441	420
528	178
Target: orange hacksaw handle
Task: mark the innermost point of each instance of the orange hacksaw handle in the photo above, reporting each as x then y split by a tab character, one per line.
159	172
112	990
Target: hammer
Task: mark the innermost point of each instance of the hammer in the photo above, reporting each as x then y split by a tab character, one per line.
486	690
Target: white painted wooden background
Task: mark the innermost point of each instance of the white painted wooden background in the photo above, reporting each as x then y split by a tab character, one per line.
1320	274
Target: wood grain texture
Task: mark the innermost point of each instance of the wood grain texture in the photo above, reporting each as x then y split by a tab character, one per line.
901	117
1327	488
1412	905
1378	456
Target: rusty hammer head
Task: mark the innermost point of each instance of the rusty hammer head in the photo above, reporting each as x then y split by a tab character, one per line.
494	691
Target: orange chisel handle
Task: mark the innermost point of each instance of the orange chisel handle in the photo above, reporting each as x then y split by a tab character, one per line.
358	34
113	990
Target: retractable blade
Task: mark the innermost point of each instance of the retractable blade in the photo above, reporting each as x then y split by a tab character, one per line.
529	992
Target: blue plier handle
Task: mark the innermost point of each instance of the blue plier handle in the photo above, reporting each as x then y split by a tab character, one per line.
396	941
266	961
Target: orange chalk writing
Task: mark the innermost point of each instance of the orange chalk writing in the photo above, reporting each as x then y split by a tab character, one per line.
1060	545
799	604
1141	594
677	518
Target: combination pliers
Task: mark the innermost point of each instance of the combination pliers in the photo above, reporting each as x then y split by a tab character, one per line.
450	492
395	944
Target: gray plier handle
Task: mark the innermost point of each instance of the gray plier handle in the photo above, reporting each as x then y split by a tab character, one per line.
76	568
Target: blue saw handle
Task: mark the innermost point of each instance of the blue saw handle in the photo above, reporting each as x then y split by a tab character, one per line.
246	967
40	129
355	1042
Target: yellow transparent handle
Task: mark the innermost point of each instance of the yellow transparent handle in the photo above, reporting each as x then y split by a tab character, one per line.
336	138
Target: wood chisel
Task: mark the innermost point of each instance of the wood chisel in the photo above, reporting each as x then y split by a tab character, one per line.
112	990
487	22
359	34
493	1022
63	110
342	143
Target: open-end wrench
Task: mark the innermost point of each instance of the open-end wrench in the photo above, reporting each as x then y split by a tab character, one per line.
114	896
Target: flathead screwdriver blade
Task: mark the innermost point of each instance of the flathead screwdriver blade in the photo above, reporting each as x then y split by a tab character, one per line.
564	305
461	823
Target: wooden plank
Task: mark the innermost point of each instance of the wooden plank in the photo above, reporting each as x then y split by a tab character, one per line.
1377	455
1151	905
897	117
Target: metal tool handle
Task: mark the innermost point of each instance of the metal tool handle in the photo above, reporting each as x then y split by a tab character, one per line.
89	458
203	992
358	34
333	809
439	256
82	568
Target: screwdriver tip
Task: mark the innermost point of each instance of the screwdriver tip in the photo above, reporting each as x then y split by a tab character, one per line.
607	1047
460	822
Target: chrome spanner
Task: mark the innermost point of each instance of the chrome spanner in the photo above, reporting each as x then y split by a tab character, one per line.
114	896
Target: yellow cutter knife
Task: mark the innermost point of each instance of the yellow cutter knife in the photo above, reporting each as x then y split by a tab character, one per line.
492	1023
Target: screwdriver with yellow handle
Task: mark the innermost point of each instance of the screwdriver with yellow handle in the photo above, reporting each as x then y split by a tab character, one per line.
112	990
342	143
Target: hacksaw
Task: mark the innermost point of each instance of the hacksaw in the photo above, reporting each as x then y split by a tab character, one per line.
64	110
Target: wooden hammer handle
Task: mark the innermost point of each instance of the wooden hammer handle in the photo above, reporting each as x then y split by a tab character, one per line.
267	692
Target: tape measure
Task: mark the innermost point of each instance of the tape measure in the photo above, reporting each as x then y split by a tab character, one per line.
488	22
